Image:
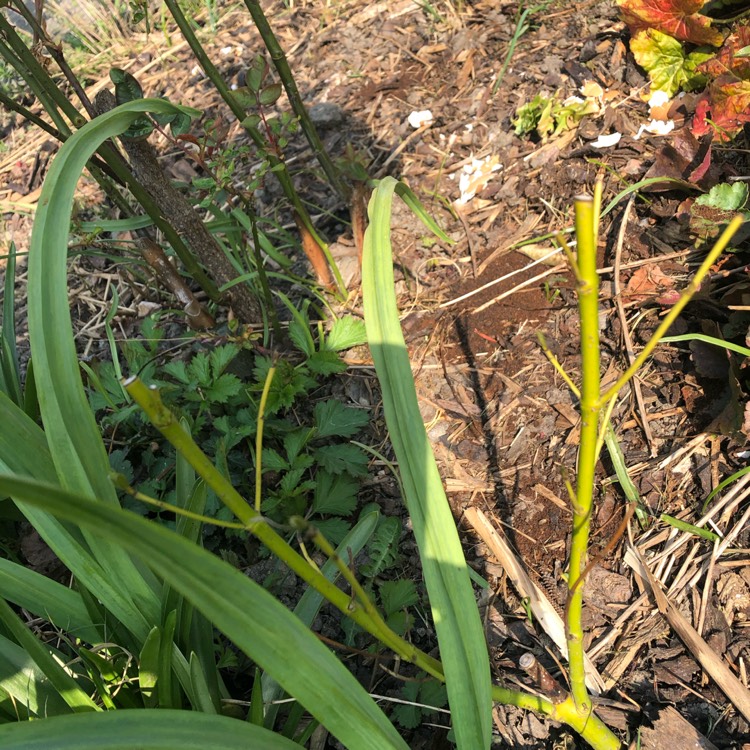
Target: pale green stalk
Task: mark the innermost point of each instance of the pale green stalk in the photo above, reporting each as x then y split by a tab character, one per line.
588	305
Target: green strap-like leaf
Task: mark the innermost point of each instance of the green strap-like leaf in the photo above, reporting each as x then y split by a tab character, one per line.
73	436
459	629
246	613
144	729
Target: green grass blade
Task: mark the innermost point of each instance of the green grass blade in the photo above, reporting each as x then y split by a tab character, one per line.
145	729
743	350
459	629
10	376
245	612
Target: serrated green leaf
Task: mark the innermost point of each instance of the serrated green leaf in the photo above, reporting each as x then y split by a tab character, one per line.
251	122
433	693
273	460
396	595
290	481
199	370
224	388
335	494
325	363
221	357
342	458
295	441
334	419
408	716
345	333
383	547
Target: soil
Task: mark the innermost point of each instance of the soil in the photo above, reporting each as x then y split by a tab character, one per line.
502	421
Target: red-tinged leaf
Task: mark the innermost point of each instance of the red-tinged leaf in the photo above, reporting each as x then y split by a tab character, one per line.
731	58
725	110
678	18
669	68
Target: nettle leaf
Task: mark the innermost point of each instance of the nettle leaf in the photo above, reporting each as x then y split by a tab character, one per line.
221	357
332	418
223	388
342	458
273	460
335	494
383	547
669	68
678	18
325	363
397	595
199	370
345	333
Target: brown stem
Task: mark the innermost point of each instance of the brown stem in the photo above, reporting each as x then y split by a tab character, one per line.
173	205
153	253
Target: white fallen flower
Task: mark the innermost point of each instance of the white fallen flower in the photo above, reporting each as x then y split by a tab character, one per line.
658	98
418	119
475	176
225	51
607	141
655	127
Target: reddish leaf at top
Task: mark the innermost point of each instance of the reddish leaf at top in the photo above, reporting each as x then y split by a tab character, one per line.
724	109
678	18
731	58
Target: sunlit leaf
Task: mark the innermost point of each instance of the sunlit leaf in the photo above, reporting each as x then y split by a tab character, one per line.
678	18
664	58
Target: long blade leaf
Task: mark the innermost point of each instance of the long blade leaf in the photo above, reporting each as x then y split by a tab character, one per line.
459	629
245	612
145	729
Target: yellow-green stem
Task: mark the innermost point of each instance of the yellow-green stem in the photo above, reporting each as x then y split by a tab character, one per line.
164	421
588	726
588	305
259	437
671	316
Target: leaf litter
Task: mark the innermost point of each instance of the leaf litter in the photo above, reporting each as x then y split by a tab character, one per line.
502	423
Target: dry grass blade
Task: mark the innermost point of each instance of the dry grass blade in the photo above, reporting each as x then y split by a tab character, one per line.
714	666
541	607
